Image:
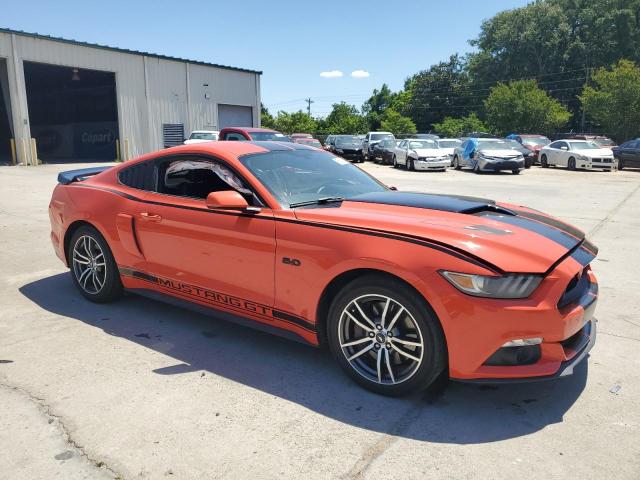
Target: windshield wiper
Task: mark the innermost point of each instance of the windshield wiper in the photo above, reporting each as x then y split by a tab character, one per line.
320	201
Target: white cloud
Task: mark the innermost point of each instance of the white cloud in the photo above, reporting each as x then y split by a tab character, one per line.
331	74
360	74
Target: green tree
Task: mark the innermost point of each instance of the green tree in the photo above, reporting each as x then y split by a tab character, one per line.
266	119
555	41
343	119
294	122
392	121
521	106
440	91
456	127
614	101
376	105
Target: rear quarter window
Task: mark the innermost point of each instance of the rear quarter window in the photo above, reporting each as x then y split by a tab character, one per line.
139	176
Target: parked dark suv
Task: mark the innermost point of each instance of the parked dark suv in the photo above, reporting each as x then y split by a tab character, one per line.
628	154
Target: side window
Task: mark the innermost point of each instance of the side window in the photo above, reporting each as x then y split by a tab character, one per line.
635	144
555	145
233	136
138	176
196	177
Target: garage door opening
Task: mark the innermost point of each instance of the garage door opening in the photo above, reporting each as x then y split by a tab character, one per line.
6	126
235	116
73	112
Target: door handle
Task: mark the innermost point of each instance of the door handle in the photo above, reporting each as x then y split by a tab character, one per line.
150	217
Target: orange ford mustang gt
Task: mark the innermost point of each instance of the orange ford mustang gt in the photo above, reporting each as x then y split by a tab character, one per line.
404	288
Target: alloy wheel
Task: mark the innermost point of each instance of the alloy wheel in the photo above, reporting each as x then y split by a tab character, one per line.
380	339
89	265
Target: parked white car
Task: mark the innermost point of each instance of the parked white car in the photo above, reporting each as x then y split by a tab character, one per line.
370	139
578	154
449	145
487	155
419	154
199	136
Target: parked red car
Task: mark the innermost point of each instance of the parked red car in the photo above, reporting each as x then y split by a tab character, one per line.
248	134
533	142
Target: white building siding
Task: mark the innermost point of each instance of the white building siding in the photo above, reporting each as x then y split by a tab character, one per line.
150	90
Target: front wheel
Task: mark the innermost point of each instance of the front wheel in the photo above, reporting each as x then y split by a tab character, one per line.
543	161
571	165
385	336
456	163
395	162
620	164
515	171
93	268
410	165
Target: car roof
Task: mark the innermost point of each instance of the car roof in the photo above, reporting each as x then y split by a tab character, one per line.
250	129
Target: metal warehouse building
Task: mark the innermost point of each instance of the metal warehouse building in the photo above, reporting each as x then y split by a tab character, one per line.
68	101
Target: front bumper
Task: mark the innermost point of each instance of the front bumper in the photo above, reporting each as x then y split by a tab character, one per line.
477	328
431	164
600	164
497	165
350	154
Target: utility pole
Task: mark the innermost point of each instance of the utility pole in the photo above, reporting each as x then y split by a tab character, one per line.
309	102
582	120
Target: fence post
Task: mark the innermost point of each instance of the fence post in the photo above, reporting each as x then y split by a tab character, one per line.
118	159
14	160
34	153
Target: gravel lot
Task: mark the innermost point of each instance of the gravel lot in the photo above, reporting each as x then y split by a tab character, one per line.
139	389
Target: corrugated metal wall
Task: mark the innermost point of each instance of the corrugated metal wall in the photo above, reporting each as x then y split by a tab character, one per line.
150	91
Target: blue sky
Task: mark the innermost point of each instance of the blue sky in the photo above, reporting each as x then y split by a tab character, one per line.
291	42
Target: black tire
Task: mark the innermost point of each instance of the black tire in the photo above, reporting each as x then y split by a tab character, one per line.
515	171
543	161
434	354
456	163
571	164
410	165
111	288
395	162
620	164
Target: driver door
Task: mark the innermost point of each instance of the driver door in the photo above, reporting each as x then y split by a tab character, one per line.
227	256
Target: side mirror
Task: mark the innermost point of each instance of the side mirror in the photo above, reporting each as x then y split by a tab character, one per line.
226	200
564	148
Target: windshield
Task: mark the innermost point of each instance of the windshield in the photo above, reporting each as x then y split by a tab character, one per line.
309	141
535	141
348	141
514	144
584	146
379	136
203	136
449	143
269	136
604	142
493	145
414	144
297	176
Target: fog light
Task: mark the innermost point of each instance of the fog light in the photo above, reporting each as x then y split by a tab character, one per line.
521	342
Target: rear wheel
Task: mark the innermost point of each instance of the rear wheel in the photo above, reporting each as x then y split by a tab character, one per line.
93	268
571	164
543	161
620	164
515	171
385	337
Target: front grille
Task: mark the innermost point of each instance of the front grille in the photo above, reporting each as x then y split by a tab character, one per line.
602	160
577	287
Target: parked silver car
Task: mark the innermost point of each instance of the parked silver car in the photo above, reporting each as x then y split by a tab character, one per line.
487	155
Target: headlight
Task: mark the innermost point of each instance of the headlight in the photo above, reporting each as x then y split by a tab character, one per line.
506	286
485	157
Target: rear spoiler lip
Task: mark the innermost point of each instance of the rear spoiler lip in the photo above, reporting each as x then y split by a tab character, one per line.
70	176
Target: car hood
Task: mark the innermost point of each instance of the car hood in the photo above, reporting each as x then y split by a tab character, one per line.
600	152
429	152
502	153
504	237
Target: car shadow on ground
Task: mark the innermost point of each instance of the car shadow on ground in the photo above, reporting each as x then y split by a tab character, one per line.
461	414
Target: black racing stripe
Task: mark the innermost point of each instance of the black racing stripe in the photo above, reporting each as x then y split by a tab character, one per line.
583	256
277	314
553	222
445	203
425	242
558	236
